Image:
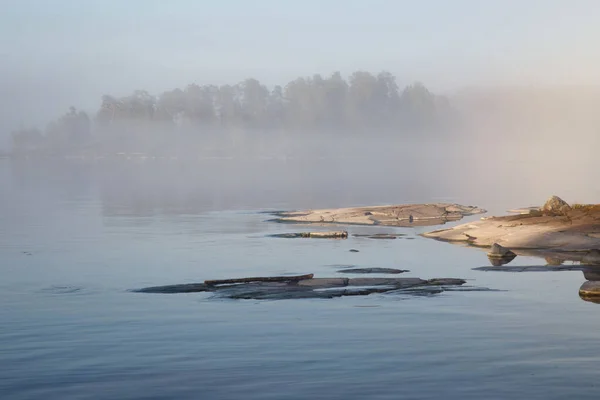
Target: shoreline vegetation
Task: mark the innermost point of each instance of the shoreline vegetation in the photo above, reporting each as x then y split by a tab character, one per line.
245	118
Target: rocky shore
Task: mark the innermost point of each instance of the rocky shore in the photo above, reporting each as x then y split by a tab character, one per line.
555	226
391	215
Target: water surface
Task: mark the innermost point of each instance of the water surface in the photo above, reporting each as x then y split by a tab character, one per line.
74	239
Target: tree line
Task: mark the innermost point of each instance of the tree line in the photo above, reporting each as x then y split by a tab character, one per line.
227	116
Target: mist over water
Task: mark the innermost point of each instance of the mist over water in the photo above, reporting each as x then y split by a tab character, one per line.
142	144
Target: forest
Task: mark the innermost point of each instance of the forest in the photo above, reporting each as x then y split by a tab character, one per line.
212	119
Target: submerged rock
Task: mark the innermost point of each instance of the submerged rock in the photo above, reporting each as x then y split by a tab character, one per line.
183	288
372	271
275	288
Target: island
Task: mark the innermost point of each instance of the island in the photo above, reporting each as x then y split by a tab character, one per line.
403	215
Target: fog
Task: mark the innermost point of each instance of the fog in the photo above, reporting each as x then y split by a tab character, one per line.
506	114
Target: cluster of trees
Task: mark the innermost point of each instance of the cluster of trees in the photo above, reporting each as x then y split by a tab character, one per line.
70	131
249	110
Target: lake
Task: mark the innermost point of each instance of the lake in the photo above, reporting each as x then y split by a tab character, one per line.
75	238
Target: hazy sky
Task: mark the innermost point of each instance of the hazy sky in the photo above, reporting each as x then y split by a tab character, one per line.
60	52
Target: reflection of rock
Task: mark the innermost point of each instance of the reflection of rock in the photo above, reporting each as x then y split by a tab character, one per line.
591	275
553	261
592	257
499	255
595	300
499	261
590	289
276	289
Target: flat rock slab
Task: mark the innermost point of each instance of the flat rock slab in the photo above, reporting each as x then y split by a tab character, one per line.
372	271
313	288
182	288
392	215
380	235
313	235
533	268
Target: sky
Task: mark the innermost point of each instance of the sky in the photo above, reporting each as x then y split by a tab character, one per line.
58	53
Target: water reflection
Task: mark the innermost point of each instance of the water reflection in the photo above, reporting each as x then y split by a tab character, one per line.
586	262
499	261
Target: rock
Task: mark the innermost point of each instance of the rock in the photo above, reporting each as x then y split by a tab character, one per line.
499	255
183	288
288	278
379	235
395	282
532	268
577	231
554	261
314	235
445	281
324	282
590	289
393	215
556	205
272	289
498	251
591	275
372	271
591	258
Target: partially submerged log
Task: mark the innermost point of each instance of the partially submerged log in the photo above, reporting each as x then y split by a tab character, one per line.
314	235
555	226
277	288
393	215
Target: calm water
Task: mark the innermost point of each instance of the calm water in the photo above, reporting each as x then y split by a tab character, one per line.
74	239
